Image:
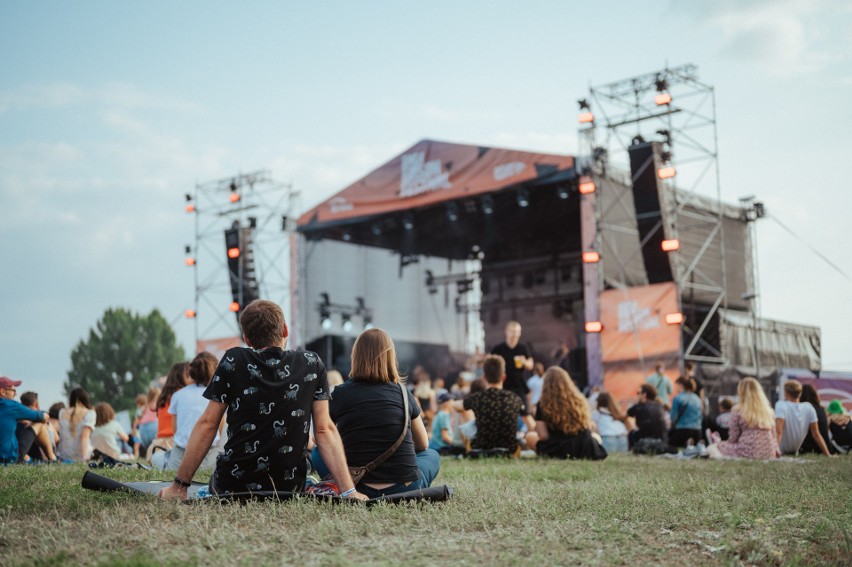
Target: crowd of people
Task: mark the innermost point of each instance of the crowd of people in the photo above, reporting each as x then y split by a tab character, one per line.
267	418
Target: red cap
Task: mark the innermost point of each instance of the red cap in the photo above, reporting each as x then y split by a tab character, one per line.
8	382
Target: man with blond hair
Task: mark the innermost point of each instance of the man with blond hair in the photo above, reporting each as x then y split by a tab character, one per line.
516	358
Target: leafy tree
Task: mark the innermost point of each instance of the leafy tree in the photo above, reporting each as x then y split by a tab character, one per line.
124	352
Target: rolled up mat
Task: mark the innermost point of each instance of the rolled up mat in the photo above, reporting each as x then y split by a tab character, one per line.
92	481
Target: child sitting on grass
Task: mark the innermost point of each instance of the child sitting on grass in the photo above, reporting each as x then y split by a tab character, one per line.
108	432
442	432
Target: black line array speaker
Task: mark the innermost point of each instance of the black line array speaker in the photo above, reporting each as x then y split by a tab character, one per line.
644	158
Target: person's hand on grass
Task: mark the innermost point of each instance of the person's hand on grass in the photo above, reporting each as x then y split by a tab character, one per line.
358	496
173	491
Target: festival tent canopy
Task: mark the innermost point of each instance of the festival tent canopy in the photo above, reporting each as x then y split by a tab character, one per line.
429	180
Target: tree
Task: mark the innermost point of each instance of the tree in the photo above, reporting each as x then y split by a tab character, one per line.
124	352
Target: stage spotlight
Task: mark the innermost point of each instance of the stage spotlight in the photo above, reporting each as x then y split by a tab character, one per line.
452	212
188	197
190	261
234	306
187	249
670	245
326	323
674	318
523	198
347	322
587	185
586	118
376	229
368	322
663	99
584	104
594	326
637	139
408	221
234	197
666	156
189	314
233	253
347	237
252	222
666	172
591	257
667	136
283	223
661	84
562	192
487	205
190	208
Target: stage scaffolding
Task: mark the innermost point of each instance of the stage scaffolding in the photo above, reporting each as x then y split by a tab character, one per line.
264	209
672	107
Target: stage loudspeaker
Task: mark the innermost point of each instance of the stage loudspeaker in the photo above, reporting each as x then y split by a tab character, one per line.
644	159
577	367
241	270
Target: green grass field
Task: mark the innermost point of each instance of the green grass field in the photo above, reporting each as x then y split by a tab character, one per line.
625	510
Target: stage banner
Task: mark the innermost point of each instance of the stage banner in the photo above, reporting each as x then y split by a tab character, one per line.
217	347
636	336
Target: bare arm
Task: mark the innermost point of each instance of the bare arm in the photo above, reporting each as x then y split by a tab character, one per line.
819	440
85	445
779	428
541	429
446	437
199	443
331	448
418	434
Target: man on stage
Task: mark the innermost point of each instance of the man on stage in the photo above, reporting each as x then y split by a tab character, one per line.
517	359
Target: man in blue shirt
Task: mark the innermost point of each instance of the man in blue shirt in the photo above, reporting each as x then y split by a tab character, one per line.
11	412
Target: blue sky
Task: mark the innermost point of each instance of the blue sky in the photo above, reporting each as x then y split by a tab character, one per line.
110	112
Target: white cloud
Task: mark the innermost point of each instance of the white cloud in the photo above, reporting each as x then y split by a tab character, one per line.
784	36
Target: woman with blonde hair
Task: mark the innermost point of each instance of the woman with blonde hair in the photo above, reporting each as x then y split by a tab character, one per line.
752	432
562	421
76	424
369	411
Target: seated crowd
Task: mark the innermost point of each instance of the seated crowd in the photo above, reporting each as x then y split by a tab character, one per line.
382	434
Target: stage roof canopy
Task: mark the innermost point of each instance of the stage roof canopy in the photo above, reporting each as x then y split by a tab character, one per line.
432	184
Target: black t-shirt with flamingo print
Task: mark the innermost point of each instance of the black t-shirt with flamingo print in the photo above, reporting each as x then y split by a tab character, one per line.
269	394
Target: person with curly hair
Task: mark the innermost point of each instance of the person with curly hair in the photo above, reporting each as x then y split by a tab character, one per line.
563	421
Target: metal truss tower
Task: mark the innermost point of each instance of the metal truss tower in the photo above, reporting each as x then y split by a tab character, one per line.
674	109
264	211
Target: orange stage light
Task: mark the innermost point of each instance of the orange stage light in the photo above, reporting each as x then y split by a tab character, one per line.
594	326
666	172
670	245
674	318
586	117
234	197
189	314
190	208
587	185
662	99
190	261
234	306
233	253
591	257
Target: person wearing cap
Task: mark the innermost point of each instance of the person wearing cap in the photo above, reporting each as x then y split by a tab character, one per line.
11	412
839	425
442	433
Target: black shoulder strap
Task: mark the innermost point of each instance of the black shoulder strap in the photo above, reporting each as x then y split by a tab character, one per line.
361	472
